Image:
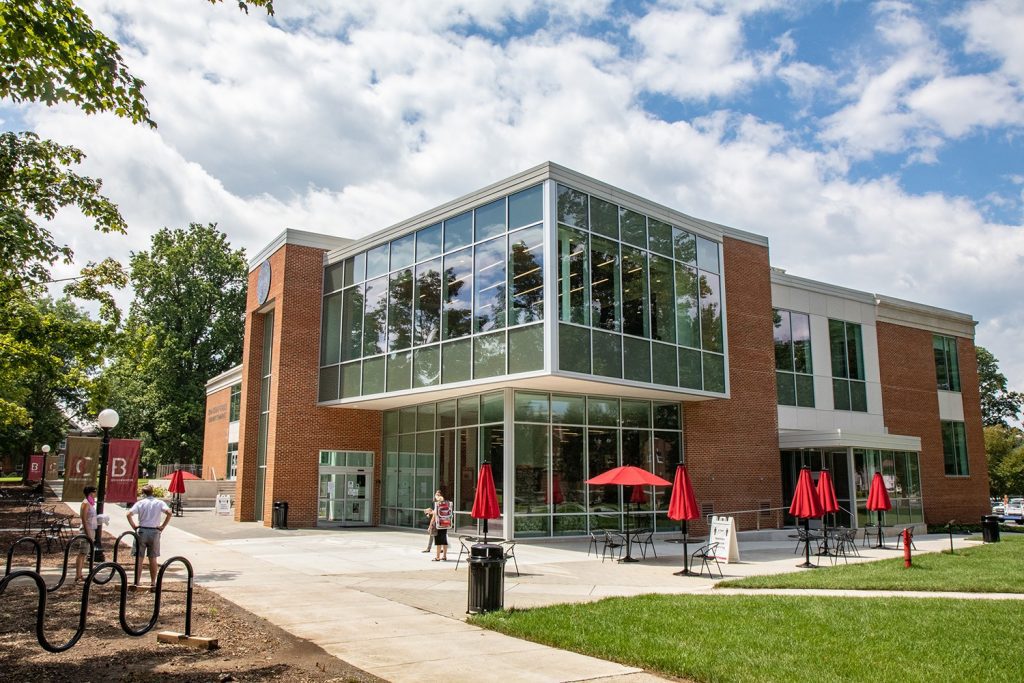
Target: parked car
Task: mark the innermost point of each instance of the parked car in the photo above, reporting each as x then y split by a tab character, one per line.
1015	508
998	508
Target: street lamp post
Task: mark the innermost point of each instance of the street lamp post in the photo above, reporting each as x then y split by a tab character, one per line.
107	420
46	453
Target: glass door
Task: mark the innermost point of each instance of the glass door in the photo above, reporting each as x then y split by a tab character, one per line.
345	496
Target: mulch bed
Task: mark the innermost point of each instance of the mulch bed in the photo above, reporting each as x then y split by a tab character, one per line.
250	648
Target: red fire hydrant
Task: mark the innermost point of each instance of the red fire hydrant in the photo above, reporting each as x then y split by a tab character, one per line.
906	547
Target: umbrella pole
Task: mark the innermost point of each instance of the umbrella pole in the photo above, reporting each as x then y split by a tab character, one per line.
880	544
807	546
629	546
686	557
485	531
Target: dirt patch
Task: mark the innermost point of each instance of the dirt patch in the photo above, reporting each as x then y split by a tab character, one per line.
251	649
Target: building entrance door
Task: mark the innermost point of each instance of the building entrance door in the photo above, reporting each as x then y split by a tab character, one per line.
345	495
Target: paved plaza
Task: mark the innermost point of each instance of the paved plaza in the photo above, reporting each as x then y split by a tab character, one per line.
373	599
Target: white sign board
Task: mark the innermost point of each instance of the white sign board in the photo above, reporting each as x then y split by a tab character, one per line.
223	504
723	532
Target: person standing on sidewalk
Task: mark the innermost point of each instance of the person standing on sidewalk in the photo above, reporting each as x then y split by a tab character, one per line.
148	526
88	514
431	529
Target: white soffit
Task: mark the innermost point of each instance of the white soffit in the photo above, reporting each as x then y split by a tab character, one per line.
837	438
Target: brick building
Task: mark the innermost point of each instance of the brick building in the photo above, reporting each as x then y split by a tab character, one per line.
556	326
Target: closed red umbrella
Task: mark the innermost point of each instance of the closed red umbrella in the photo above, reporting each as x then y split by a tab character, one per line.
878	500
806	506
639	496
485	502
177	487
556	491
628	475
683	507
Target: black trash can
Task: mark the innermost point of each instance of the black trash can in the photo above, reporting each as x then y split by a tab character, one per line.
279	519
990	528
486	578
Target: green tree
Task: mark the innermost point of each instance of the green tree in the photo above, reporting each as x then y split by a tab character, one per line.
999	405
1004	449
184	326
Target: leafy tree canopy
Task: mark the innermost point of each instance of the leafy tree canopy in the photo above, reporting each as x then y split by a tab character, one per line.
1004	448
999	405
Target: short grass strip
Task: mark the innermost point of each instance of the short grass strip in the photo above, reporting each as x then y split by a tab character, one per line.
991	568
783	638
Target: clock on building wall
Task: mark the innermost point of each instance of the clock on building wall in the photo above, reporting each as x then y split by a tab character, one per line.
263	283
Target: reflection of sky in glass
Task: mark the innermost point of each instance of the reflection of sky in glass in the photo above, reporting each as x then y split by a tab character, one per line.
489	283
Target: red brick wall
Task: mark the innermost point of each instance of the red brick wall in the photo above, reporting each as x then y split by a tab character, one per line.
298	429
732	446
910	406
215	434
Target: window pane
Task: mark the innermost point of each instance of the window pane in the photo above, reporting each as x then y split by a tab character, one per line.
801	342
490	220
604	218
858	396
786	386
399	369
573	276
328	383
603	412
687	318
782	334
375	316
469	413
954	364
531	407
666	416
492	407
373	376
334	277
525	208
330	330
572	207
663	364
352	323
690	374
607	354
377	261
458	275
426	366
574	349
603	456
489	355
400	310
837	343
941	370
604	285
707	255
805	391
403	251
635	298
637	359
568	469
636	414
527	283
489	282
458	231
634	227
568	409
684	246
710	313
659	237
355	269
350	379
531	468
428	242
526	349
455	361
446	416
855	356
428	302
714	372
841	393
663	307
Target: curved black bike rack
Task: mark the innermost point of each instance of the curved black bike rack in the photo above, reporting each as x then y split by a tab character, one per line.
93	577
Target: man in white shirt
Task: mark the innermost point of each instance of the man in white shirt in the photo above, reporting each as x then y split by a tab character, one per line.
148	527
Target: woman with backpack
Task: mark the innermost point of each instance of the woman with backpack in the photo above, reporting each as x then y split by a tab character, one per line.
443	514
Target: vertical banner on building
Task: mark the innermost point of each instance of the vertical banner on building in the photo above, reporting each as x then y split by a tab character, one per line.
80	467
35	467
123	471
50	466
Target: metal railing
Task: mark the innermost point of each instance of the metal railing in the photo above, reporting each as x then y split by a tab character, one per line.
757	512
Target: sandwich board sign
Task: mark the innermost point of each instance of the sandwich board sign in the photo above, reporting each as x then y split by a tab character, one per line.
223	504
723	532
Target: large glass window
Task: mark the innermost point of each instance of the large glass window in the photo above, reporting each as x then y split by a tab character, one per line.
573	276
849	388
947	364
489	283
605	284
793	372
400	310
235	403
458	276
526	259
954	449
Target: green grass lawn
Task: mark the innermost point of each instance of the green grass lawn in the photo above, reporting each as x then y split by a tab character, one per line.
782	638
992	568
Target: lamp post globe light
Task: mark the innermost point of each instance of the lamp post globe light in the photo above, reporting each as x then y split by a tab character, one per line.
107	420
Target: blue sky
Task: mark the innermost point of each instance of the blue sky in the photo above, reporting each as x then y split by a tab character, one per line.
877	144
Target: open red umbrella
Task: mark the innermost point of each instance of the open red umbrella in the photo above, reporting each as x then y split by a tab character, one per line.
683	507
878	500
827	498
628	475
806	506
485	502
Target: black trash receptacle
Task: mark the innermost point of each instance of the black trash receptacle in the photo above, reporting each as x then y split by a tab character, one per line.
990	528
279	520
486	578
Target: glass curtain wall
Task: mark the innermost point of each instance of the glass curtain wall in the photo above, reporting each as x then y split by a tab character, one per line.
793	372
457	300
264	423
441	446
849	388
638	298
901	472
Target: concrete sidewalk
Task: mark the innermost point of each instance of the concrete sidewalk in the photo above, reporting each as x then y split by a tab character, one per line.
372	597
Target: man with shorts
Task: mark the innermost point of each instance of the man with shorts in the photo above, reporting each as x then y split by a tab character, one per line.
148	527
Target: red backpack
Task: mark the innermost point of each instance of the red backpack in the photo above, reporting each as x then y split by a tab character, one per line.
443	516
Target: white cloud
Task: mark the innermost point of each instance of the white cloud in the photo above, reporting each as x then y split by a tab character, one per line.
995	28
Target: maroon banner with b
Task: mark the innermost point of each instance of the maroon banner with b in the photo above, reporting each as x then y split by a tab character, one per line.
123	471
35	467
80	467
